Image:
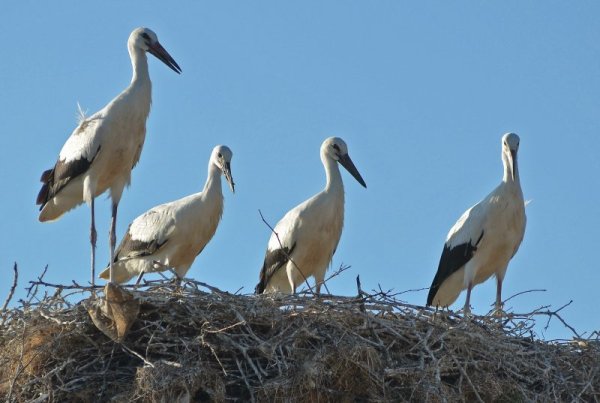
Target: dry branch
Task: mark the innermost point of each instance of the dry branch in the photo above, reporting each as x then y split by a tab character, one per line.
12	287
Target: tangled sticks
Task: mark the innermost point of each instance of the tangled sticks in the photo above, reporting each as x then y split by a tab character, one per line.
195	345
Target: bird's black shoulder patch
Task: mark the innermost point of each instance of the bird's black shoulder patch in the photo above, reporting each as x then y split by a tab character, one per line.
452	260
53	180
130	248
274	260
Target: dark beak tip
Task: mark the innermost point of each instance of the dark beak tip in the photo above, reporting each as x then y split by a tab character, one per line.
161	54
347	163
174	66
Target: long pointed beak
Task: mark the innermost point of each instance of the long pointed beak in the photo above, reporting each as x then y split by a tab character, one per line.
227	173
161	54
511	163
347	163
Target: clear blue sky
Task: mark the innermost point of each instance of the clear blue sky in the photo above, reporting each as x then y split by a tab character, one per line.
420	91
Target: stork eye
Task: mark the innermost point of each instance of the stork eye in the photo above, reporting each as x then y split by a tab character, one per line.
336	147
146	36
220	155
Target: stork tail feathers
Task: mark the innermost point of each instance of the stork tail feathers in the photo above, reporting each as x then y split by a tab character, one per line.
274	260
42	196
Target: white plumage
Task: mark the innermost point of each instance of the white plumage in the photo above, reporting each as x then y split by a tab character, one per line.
103	149
484	239
173	234
306	238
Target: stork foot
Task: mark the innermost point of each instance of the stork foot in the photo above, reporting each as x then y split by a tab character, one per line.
160	267
499	312
467	310
436	316
176	280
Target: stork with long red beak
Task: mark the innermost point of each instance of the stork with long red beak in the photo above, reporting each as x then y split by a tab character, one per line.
103	149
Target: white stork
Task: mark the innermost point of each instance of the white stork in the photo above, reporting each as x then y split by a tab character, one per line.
173	234
304	241
484	238
103	149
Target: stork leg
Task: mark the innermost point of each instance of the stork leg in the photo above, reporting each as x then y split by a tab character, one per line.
93	237
159	266
290	275
178	277
319	282
113	240
137	282
467	308
499	310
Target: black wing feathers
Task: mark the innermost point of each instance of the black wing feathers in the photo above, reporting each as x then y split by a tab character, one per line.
451	261
53	180
46	179
129	248
274	260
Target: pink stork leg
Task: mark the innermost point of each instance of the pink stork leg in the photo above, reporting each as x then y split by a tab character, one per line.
93	236
467	308
112	239
498	296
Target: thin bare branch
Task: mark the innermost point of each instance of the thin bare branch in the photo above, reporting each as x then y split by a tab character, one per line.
12	288
521	293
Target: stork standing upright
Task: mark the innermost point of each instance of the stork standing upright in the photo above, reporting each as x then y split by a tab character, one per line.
484	238
304	241
103	149
173	234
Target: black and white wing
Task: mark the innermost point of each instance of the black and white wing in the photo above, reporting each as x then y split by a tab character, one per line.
279	249
147	233
460	246
75	158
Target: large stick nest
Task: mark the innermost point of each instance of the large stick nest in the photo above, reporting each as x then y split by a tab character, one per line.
192	345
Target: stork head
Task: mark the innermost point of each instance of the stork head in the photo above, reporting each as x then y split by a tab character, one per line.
510	147
336	149
145	39
221	158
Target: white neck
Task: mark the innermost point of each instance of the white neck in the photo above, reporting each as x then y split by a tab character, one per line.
213	180
508	172
139	62
333	175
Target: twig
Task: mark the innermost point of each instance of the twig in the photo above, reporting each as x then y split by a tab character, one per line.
75	286
464	373
12	288
32	289
335	274
520	293
360	294
243	375
130	351
411	290
555	313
